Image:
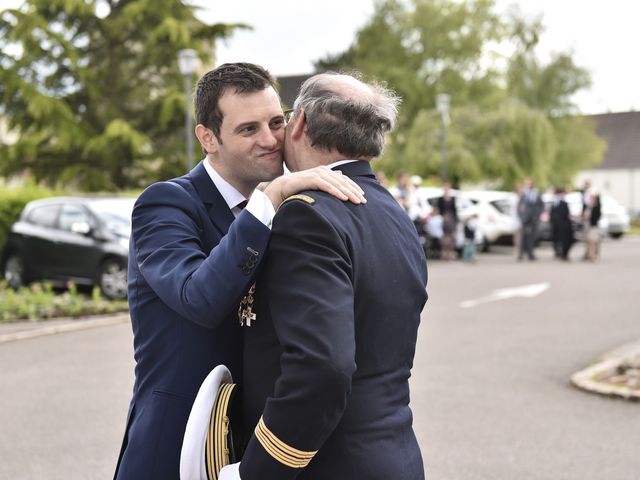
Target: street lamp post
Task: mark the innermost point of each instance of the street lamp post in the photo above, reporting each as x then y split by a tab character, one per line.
442	105
187	60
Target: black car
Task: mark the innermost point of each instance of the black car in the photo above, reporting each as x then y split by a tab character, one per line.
62	239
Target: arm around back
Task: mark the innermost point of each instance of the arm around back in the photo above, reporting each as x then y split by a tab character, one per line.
171	233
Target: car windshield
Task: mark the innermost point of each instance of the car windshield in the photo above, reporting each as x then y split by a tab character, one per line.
115	213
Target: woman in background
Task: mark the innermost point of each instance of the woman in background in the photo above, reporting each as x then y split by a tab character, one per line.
592	216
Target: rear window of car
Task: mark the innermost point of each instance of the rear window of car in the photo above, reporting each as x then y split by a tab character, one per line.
44	216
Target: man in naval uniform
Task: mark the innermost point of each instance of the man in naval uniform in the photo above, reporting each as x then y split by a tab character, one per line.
336	308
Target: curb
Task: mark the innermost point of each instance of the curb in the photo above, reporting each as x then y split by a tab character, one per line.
587	379
67	325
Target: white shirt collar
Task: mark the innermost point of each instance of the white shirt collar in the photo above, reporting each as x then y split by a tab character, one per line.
231	196
341	162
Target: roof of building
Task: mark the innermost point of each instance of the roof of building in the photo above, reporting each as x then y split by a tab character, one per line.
289	87
622	134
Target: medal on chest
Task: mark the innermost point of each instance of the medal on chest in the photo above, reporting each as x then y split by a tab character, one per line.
245	311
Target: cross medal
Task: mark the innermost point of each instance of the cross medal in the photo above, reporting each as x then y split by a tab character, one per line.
245	311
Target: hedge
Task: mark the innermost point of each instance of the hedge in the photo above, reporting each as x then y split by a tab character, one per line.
13	200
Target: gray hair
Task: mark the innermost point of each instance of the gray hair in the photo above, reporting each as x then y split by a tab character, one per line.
354	125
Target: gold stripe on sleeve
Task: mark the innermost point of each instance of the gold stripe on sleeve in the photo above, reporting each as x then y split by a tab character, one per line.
279	450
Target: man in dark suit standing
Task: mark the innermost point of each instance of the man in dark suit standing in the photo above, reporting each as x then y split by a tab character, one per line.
561	227
193	254
338	302
530	207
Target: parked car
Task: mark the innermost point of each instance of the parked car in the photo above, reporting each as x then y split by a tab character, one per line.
494	209
62	239
615	220
424	200
496	216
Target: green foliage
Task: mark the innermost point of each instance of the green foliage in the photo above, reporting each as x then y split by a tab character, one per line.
501	145
13	200
544	87
40	302
97	100
506	123
425	47
579	147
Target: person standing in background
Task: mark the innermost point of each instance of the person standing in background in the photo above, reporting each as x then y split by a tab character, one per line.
402	191
561	228
593	234
447	207
470	227
517	234
530	207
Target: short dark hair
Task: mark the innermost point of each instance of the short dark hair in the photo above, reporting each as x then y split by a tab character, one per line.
354	127
241	77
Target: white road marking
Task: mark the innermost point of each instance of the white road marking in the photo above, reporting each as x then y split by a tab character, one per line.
525	291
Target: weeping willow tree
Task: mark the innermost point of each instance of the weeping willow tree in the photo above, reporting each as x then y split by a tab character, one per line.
511	117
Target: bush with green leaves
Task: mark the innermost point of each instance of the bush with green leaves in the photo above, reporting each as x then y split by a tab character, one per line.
13	200
39	301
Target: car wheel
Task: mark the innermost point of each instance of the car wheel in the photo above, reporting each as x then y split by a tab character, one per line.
616	235
112	279
14	271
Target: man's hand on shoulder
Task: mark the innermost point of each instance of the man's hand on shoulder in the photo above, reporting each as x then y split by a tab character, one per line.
318	178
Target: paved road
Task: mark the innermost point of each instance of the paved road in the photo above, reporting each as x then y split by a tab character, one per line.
491	390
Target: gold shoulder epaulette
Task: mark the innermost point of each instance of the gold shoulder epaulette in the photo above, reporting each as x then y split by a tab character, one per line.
304	198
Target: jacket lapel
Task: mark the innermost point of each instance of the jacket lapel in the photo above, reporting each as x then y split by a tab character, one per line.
217	208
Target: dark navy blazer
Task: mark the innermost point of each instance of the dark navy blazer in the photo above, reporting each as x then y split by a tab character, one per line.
189	265
328	358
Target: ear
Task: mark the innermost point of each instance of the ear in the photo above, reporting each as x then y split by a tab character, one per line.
207	138
299	126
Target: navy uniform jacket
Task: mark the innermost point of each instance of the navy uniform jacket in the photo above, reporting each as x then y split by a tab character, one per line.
338	305
188	267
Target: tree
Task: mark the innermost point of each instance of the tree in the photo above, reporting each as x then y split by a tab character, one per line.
549	88
506	122
544	87
425	47
93	89
579	148
501	145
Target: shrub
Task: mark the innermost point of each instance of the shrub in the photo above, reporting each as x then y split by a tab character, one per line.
39	301
13	200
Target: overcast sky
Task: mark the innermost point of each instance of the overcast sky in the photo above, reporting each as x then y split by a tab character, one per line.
289	35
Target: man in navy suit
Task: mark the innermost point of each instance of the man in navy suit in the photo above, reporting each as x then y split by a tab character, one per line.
338	302
193	254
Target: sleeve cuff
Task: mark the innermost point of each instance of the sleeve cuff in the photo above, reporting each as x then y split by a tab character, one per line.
230	472
261	207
